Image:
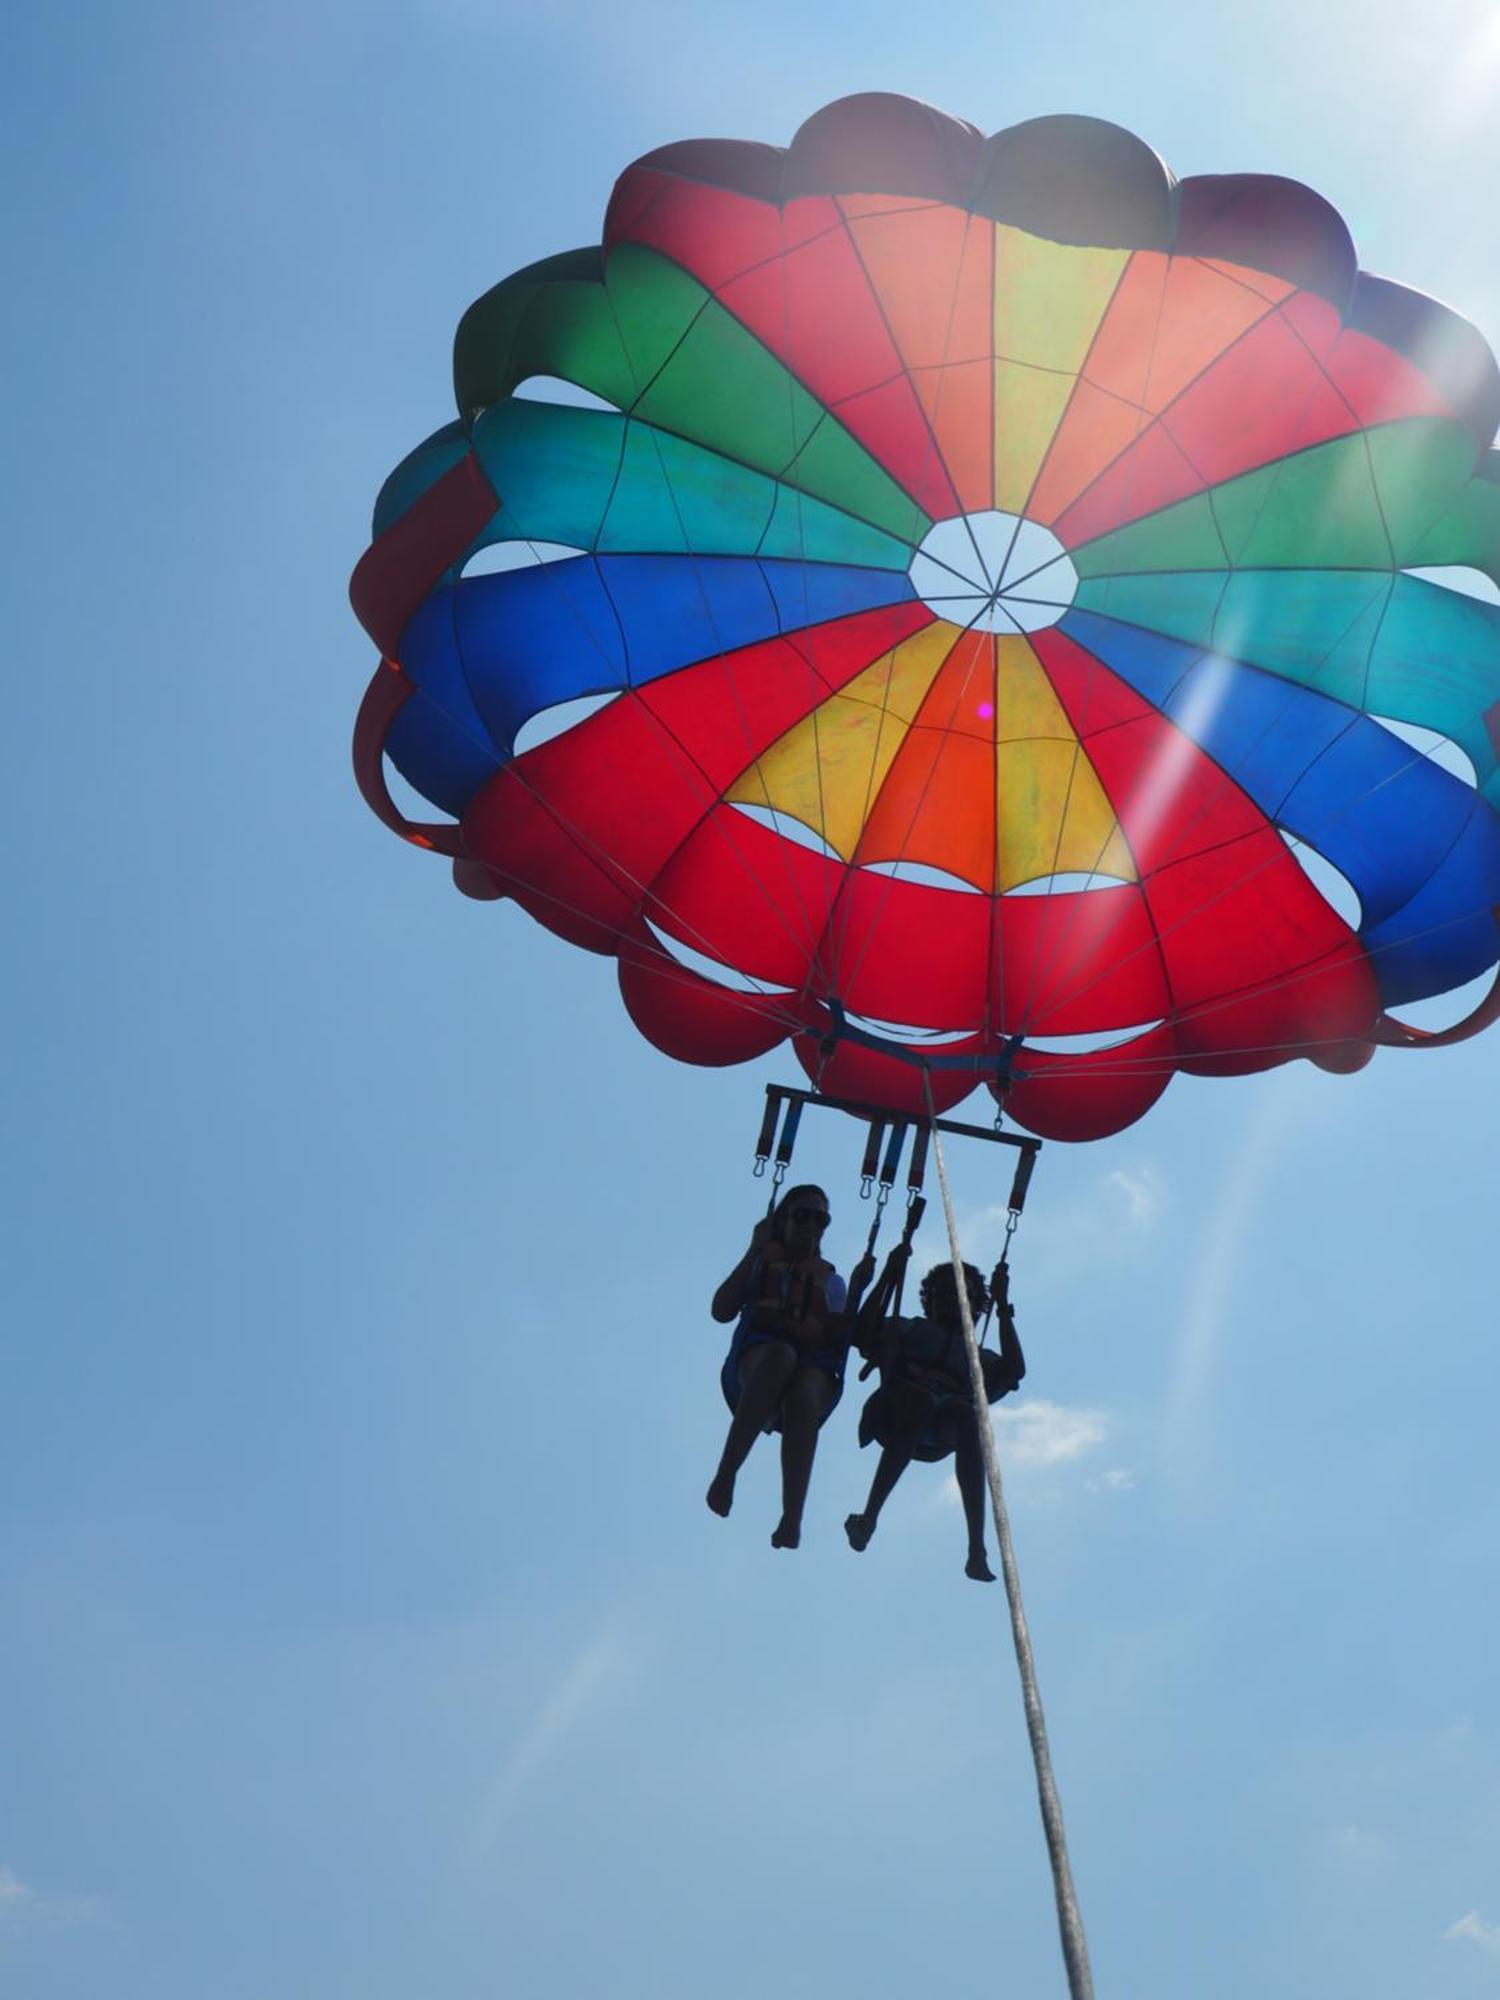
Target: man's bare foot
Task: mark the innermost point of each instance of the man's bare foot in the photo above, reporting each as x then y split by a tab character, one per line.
786	1537
978	1567
721	1494
859	1528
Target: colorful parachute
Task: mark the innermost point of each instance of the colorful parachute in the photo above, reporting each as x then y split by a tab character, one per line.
1039	615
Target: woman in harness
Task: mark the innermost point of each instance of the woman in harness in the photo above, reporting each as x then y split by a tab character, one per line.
924	1407
785	1366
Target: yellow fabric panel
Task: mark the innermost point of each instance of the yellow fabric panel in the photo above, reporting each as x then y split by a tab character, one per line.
1029	405
1050	298
1054	818
1026	705
828	768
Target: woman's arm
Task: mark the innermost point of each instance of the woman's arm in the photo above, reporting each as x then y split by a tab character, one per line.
734	1294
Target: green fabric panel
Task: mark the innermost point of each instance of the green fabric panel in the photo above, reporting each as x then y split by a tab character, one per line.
502	333
597	481
653	340
1420	469
1467	532
1367	501
1182	537
723	388
1315	510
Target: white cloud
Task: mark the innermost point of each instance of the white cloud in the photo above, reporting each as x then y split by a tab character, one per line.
1141	1188
13	1891
1486	1936
1034	1436
1039	1433
1103	1223
599	1668
1118	1479
21	1904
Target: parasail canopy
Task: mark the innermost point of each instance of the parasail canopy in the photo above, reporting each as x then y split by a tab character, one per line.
981	600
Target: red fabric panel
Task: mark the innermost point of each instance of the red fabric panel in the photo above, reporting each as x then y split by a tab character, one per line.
691	1020
545	868
616	785
712	232
797	301
728	711
891	424
1171	799
870	1077
1090	1096
385	697
1268	396
1324	1007
901	951
1078	961
743	894
398	569
933	271
1381	385
1151	474
1244	915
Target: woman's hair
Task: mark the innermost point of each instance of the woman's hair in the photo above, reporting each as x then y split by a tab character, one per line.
940	1277
792	1198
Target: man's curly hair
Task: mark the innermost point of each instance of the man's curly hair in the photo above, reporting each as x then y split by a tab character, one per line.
942	1274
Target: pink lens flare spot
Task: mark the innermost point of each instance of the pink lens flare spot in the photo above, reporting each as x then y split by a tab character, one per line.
986	710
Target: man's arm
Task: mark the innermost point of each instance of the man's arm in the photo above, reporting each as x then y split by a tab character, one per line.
1012	1359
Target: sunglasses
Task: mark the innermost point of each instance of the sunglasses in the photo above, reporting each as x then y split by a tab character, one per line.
816	1215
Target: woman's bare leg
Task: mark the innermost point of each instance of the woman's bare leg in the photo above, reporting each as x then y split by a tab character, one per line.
807	1401
765	1370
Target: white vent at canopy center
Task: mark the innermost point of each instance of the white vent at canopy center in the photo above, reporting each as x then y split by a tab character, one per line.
994	572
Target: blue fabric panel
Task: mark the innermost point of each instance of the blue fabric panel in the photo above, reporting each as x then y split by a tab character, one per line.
438	741
445	762
530	638
420	469
1446	934
1383	814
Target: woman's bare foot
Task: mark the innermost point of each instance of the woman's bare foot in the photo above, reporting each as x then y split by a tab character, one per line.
721	1494
978	1567
786	1537
859	1528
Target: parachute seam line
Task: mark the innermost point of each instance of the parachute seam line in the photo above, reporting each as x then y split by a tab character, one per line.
883	895
614	872
825	410
1201	1010
723	659
1158	418
1029	1011
935	461
1256	989
648	889
1274	680
1040	972
784	273
1069	1918
1080	375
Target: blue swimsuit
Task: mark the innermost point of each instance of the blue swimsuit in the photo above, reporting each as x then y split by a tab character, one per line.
831	1357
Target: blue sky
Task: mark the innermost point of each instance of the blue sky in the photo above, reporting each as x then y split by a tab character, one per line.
365	1632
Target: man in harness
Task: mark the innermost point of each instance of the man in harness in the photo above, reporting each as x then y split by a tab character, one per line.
924	1407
